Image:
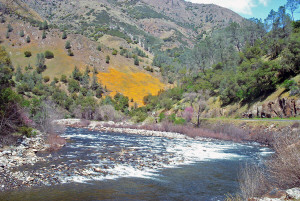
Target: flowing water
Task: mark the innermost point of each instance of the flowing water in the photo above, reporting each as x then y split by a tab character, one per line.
116	166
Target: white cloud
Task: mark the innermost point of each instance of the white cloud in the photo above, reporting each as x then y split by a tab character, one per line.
239	6
264	2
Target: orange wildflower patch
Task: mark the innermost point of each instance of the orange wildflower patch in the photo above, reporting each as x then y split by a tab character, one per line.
134	85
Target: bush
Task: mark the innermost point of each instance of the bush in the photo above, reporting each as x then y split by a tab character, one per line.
114	52
27	54
44	35
46	79
64	35
99	48
9	28
68	45
28	39
63	78
27	131
22	33
49	54
179	121
70	53
107	59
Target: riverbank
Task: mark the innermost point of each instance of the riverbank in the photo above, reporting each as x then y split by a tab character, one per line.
228	130
25	154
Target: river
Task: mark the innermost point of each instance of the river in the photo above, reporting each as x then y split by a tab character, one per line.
115	166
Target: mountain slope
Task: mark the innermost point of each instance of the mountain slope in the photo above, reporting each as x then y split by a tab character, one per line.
151	23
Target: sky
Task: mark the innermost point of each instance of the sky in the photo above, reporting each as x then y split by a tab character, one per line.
250	8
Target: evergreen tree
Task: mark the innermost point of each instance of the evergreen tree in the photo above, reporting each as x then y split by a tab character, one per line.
22	33
28	39
44	35
68	45
18	74
76	74
64	35
136	61
107	59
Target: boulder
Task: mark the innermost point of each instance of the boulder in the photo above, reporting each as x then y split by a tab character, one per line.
293	193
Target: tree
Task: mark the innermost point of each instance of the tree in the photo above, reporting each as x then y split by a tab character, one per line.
40	63
44	35
27	54
7	35
94	85
114	52
49	54
136	61
28	39
64	35
22	33
76	74
63	79
9	28
73	86
292	5
46	79
70	53
68	45
45	25
18	74
107	59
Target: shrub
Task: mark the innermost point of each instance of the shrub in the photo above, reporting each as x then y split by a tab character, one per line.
9	28
114	52
27	131
107	59
99	48
46	79
68	45
179	121
63	78
70	53
188	113
136	61
28	39
108	113
49	54
162	116
64	35
44	35
22	33
27	54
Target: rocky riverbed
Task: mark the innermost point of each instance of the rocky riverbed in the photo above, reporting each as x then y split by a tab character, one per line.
11	158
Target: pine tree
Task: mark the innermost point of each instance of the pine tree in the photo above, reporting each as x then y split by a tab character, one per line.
22	33
107	59
44	35
68	45
136	61
64	36
28	39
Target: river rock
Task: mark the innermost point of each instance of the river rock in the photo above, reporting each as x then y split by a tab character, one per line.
293	193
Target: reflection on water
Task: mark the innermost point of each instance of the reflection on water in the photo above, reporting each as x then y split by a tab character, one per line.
113	166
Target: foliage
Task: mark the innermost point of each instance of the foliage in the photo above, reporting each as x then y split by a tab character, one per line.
64	35
107	59
27	54
28	39
49	54
68	45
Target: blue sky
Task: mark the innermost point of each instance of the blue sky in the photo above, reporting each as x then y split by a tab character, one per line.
250	8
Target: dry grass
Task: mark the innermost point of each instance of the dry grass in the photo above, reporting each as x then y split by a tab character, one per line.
284	166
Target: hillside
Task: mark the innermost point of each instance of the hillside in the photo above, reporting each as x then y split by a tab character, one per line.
85	55
152	24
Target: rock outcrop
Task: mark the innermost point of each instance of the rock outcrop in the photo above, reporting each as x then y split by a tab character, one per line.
281	107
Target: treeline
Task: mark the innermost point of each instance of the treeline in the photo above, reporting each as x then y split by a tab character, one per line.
239	63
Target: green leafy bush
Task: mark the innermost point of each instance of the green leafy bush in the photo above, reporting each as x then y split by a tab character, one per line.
49	54
27	54
27	131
